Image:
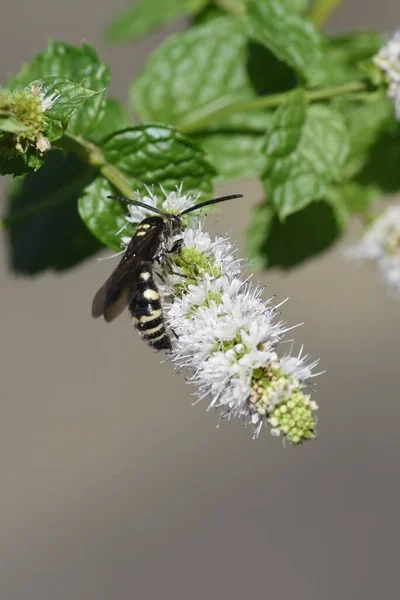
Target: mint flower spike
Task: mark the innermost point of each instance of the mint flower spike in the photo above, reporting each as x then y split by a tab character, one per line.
227	336
388	60
380	243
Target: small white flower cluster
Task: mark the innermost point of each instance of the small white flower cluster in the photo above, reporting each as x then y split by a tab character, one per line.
388	60
381	243
227	335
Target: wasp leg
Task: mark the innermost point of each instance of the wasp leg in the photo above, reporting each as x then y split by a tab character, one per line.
183	275
169	269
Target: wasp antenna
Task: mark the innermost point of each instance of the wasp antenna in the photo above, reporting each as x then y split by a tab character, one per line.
137	203
207	202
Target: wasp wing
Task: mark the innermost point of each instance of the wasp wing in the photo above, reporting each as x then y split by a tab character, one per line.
118	290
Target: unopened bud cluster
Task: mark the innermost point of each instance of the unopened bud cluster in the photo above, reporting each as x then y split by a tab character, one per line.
26	107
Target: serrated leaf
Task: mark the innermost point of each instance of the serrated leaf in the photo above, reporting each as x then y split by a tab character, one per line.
194	72
45	231
63	96
305	150
147	15
235	155
155	154
295	41
80	65
234	144
305	234
146	154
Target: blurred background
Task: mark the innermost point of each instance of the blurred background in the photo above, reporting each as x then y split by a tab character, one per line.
114	486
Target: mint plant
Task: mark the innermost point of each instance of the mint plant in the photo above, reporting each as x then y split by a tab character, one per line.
253	88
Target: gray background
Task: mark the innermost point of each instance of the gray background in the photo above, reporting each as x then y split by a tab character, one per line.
114	486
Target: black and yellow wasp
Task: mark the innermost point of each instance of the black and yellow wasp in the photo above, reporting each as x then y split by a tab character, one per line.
132	282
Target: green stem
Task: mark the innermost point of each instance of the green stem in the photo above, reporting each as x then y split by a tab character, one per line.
322	10
93	156
204	117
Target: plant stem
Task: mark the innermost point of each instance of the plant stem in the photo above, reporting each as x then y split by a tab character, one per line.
201	119
94	156
322	10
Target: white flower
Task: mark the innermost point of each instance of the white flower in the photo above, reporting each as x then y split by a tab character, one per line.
381	243
177	202
138	213
388	59
227	336
173	202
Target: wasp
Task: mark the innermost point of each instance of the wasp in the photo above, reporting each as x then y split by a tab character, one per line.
132	283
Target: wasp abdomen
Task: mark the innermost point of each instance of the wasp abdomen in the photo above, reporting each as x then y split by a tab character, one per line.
146	309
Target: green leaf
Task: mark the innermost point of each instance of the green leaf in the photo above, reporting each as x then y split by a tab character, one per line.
193	73
300	6
352	48
213	11
154	154
271	243
366	123
105	218
343	57
235	155
115	118
381	171
44	229
16	163
65	98
353	196
80	65
235	144
305	150
146	154
209	13
267	73
295	41
372	73
10	124
205	68
147	15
